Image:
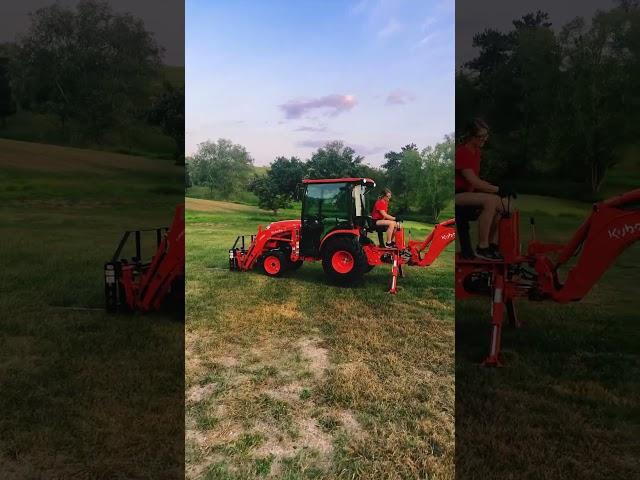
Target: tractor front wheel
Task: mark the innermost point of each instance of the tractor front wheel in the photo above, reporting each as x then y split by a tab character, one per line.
344	261
273	263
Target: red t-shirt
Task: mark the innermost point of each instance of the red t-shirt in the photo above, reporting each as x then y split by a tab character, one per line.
381	204
466	158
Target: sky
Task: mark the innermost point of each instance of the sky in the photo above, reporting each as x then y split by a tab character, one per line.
284	77
473	17
166	23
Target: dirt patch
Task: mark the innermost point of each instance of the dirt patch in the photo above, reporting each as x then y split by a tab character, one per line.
316	355
311	438
226	361
286	393
198	393
348	421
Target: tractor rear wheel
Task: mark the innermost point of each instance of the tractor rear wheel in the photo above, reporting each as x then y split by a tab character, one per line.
274	263
344	261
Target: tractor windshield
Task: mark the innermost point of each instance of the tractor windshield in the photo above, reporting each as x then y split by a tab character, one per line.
329	204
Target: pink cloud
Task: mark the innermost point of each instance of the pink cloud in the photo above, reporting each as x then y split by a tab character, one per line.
333	104
400	97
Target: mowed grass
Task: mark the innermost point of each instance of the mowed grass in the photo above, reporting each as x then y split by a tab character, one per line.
83	394
566	404
293	378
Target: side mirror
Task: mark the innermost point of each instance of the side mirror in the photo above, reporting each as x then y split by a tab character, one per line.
299	193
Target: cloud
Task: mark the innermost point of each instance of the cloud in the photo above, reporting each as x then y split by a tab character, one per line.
359	149
392	26
426	39
400	97
312	143
333	104
319	128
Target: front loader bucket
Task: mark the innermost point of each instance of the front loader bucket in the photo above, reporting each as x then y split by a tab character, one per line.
238	251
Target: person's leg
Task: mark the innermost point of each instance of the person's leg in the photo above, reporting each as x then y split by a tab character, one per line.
390	224
489	204
494	236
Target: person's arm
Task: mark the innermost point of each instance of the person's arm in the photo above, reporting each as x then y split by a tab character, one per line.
386	216
477	183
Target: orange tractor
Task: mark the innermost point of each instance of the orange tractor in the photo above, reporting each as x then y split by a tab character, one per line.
333	229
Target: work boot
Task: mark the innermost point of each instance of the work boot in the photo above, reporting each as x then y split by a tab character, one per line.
489	254
468	255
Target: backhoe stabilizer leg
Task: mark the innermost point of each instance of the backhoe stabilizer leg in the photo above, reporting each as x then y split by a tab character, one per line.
395	270
512	315
497	318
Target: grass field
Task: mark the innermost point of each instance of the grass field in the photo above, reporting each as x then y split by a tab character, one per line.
566	405
292	378
83	394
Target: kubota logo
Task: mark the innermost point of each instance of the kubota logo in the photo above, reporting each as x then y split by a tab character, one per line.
627	229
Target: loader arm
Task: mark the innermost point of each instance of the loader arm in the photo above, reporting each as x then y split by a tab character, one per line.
166	266
612	227
442	235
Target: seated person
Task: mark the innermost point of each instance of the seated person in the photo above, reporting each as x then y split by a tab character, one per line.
472	191
380	216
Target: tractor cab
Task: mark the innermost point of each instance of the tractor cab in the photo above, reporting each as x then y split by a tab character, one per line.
331	206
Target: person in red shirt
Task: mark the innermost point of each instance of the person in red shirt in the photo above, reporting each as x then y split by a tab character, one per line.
471	190
380	215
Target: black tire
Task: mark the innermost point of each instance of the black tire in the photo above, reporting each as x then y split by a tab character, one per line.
289	265
358	260
293	266
274	263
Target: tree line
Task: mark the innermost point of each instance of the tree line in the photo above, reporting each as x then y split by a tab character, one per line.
93	70
421	180
560	103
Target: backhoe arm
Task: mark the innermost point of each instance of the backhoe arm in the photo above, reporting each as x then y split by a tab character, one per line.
442	235
612	227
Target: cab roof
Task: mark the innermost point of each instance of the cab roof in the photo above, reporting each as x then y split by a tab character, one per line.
340	180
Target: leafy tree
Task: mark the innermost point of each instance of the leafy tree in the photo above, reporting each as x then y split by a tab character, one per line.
436	189
167	111
222	166
286	174
334	160
402	172
7	103
269	196
561	104
88	64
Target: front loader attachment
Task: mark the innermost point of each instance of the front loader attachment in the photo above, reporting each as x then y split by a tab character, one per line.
141	283
238	252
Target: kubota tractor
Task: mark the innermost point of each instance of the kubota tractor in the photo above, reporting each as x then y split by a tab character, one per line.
613	226
138	284
333	229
